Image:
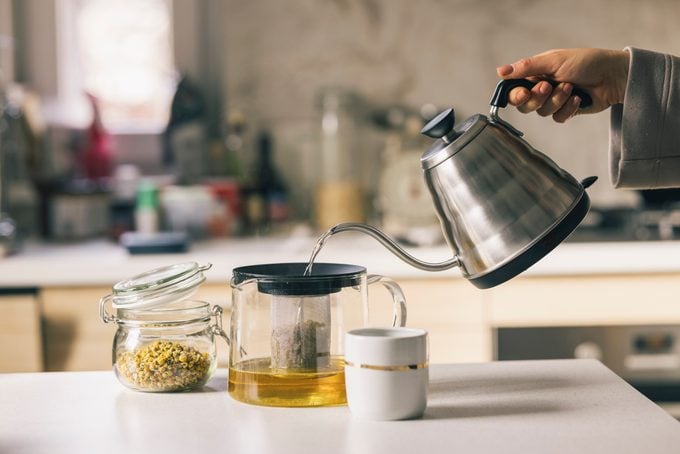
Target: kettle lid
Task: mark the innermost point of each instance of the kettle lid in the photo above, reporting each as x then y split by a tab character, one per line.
452	137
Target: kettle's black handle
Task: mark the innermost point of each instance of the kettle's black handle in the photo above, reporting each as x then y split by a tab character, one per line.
500	95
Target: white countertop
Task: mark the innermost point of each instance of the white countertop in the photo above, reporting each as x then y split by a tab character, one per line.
557	406
101	262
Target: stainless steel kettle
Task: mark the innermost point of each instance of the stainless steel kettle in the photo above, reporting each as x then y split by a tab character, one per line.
502	204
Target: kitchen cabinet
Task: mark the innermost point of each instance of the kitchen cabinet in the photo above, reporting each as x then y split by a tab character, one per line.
451	310
20	333
460	319
586	300
74	336
576	285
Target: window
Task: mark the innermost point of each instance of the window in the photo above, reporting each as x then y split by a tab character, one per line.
121	53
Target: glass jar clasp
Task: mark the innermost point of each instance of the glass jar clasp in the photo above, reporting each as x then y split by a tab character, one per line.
217	327
106	317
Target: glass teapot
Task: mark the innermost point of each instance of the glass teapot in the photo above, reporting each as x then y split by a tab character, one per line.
287	330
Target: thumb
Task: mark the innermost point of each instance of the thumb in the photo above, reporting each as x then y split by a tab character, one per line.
531	66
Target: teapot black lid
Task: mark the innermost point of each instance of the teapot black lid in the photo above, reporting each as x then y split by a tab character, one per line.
288	279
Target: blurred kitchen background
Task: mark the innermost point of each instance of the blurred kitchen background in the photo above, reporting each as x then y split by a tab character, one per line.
238	131
223	118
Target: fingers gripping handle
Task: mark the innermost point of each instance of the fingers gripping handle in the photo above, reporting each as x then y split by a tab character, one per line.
399	301
504	87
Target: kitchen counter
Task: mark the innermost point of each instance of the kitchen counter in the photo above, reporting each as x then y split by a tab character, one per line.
101	262
555	406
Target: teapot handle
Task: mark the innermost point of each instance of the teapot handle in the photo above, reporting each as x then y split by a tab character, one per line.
500	95
398	298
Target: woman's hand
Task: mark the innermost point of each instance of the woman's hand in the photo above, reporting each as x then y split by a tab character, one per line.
602	73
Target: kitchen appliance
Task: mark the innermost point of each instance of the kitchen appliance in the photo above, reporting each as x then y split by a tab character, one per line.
629	224
9	241
659	216
502	204
647	356
405	210
17	195
75	211
287	330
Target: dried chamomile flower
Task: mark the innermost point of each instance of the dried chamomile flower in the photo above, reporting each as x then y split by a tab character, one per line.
164	366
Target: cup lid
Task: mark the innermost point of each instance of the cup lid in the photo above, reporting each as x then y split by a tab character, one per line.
288	279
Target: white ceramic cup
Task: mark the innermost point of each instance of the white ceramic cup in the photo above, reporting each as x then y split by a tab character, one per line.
386	372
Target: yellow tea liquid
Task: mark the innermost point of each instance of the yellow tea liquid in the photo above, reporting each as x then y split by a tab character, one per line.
255	382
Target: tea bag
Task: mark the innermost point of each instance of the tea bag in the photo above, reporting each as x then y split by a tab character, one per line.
300	331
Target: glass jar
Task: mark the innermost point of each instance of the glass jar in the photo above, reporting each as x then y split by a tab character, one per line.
165	341
340	190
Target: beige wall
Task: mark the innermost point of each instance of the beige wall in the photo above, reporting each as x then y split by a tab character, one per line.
6	42
278	54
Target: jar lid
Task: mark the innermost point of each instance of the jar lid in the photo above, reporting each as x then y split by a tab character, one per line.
158	286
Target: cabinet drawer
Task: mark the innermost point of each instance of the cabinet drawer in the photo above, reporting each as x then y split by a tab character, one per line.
20	336
586	301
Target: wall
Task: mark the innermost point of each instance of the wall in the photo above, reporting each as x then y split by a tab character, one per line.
44	61
6	42
279	54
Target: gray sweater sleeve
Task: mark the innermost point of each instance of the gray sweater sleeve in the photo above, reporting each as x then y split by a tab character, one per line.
645	129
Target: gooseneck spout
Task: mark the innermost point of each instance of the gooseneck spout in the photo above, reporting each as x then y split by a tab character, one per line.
393	247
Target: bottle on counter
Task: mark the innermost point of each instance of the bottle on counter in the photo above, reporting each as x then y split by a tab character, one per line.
229	191
266	194
233	145
339	195
126	179
185	137
146	208
97	155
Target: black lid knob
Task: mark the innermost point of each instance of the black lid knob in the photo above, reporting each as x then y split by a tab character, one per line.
440	126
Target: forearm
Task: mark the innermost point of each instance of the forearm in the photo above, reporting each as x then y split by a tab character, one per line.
645	130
